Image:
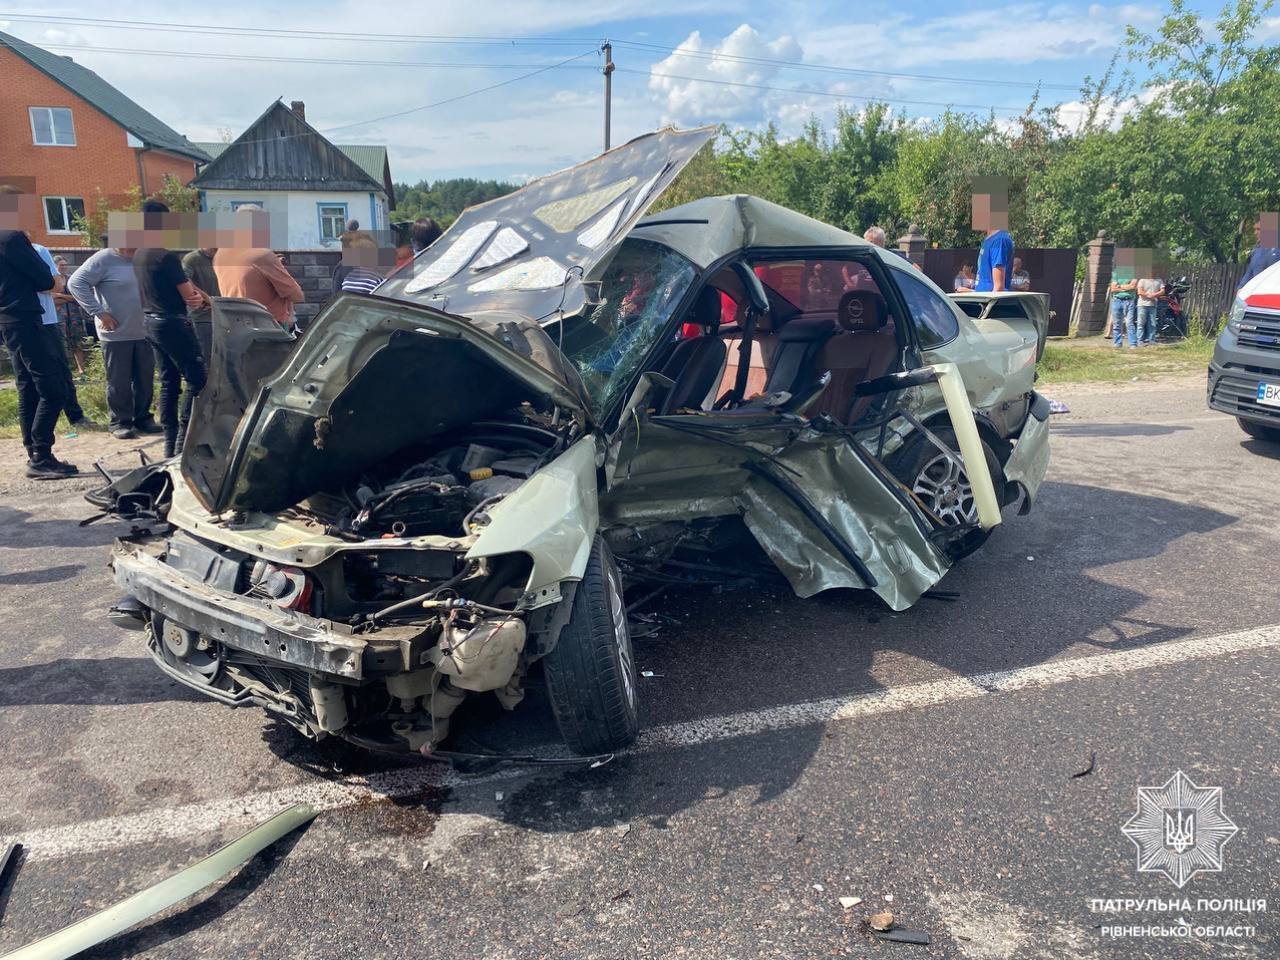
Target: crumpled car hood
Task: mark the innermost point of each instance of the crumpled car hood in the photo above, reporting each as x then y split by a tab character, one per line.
528	252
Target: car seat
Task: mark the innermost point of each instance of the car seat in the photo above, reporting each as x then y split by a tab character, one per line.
695	364
865	347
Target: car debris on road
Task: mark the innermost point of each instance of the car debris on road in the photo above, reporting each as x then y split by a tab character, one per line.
104	924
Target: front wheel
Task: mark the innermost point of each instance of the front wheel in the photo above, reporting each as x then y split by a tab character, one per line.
591	672
943	486
1259	431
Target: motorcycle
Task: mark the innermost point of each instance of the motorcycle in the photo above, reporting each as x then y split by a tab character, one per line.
1171	317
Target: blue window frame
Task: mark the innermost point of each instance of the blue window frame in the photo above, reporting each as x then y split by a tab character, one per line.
333	220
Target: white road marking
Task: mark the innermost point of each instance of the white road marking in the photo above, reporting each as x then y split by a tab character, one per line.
176	823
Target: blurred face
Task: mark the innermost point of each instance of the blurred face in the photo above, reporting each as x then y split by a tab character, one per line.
19	211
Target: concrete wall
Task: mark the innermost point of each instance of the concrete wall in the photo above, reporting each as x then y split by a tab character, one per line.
295	218
100	164
313	269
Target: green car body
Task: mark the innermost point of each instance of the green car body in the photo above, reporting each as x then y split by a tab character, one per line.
536	371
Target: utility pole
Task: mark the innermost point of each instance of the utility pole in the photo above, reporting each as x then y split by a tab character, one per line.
608	89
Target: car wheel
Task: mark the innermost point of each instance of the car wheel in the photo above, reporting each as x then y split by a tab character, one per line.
591	672
1259	431
943	486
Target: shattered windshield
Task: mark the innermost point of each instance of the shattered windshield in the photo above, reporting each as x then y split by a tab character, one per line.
640	290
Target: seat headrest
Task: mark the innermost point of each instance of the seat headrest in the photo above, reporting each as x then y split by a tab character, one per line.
706	310
862	310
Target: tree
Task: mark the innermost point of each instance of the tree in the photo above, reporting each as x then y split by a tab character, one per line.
93	225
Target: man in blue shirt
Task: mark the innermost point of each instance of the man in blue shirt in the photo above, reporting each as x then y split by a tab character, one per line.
995	262
1267	251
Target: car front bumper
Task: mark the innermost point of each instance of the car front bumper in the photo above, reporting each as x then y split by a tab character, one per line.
1234	374
287	638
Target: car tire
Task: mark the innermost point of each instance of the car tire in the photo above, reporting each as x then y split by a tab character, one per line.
926	471
1259	431
591	672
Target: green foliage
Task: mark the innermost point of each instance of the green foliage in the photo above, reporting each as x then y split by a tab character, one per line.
93	225
1186	166
445	199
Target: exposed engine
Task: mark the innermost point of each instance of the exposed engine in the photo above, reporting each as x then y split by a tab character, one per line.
441	492
435	625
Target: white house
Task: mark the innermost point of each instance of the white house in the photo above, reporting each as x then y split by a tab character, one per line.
309	186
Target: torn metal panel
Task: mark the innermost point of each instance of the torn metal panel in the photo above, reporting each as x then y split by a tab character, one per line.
708	229
1030	460
105	924
856	503
553	518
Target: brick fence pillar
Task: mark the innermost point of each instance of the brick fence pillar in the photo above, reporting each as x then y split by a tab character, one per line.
913	244
1101	258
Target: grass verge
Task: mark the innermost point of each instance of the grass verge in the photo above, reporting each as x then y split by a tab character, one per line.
1097	361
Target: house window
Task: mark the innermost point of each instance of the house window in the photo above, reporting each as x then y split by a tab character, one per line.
333	220
52	127
60	213
237	204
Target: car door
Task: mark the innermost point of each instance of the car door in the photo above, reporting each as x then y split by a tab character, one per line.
825	512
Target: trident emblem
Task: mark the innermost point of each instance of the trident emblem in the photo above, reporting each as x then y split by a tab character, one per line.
1180	829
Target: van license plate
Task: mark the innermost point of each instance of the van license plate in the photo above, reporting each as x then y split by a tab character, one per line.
1269	394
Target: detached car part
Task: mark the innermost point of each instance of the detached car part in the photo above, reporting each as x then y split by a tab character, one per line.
105	924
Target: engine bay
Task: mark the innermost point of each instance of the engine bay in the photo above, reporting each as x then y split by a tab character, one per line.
442	490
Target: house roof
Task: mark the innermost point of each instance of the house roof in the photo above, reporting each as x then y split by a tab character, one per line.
281	151
91	88
370	158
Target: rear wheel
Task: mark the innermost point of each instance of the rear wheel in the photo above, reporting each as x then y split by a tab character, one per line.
1259	431
591	672
943	486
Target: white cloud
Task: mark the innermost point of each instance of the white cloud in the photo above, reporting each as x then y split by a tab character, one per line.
1017	33
690	102
1074	113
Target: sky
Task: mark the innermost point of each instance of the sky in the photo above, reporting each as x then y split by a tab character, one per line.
412	75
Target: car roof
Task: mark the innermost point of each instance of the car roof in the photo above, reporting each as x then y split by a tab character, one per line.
707	230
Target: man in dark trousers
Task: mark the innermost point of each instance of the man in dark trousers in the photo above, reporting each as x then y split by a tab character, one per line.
167	295
23	276
198	266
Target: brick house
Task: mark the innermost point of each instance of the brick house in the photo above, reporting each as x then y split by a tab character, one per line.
72	137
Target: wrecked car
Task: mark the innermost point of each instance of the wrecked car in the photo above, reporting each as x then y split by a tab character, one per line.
443	489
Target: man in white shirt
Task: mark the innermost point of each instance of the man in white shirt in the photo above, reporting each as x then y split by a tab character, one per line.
1150	292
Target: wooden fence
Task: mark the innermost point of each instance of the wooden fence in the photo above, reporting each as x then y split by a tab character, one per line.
1213	288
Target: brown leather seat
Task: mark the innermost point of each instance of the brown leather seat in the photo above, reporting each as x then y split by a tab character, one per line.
866	347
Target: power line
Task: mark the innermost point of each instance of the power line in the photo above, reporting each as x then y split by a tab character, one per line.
263	58
827	68
428	106
167	26
208	28
471	93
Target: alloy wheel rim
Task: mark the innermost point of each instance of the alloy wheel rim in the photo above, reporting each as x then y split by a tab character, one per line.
622	637
943	487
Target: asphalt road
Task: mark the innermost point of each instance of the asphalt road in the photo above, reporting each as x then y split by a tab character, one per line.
796	751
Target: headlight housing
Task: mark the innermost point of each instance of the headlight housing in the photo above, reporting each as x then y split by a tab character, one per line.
1236	315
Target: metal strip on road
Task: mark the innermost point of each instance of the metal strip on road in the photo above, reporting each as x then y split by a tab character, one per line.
174	823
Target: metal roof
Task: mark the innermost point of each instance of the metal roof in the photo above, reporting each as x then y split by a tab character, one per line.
368	157
281	151
91	88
